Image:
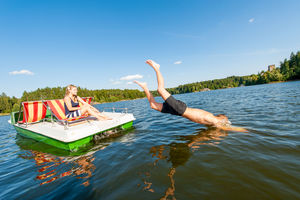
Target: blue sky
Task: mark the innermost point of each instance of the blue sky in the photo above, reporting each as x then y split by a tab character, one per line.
104	44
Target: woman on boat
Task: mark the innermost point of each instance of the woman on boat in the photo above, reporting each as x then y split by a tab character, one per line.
73	109
176	107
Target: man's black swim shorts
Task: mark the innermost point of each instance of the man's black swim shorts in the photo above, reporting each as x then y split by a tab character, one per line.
173	106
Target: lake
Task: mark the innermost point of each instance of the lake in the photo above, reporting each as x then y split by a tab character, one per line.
169	157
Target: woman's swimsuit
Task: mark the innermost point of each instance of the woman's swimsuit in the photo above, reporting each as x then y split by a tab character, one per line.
71	114
173	106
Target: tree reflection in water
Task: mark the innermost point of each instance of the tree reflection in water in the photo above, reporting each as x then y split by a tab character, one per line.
51	168
54	164
178	153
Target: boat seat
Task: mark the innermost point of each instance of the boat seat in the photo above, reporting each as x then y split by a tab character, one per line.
58	110
33	111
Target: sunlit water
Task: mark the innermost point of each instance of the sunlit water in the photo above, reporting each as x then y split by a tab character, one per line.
169	157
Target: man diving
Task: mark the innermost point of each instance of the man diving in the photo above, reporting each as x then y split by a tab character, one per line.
176	107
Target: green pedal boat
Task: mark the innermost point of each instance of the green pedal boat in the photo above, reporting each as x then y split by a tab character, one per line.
40	121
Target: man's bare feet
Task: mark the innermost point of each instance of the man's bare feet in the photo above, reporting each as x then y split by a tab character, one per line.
153	64
142	85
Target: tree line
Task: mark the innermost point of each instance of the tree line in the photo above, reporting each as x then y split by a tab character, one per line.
289	70
8	104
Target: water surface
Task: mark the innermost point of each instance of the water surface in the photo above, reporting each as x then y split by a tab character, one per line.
168	157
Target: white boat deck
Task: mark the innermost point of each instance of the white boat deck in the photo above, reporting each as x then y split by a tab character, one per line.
76	132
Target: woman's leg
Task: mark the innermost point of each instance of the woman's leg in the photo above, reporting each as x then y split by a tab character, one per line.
160	80
154	105
90	111
86	110
95	110
99	113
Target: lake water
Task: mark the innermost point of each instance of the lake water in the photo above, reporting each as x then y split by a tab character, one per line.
169	157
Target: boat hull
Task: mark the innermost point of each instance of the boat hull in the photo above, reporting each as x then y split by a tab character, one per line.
70	146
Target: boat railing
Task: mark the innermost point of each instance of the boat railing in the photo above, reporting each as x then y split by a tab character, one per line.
113	109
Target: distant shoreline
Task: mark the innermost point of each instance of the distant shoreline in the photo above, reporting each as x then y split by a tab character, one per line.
96	103
282	81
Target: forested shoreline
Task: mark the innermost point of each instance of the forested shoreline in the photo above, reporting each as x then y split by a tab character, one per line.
288	70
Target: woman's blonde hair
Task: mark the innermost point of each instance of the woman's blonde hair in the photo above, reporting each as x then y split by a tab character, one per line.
68	88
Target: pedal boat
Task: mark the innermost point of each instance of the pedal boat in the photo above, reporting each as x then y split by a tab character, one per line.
39	120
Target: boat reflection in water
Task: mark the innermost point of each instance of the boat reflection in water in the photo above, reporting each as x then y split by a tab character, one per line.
178	153
53	163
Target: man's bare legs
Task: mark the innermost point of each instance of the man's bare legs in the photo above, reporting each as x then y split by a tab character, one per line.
160	88
154	105
193	114
160	80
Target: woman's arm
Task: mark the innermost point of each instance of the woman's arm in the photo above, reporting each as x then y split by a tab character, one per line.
82	101
89	105
69	105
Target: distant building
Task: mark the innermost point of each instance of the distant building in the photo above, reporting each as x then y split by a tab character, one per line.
271	68
205	89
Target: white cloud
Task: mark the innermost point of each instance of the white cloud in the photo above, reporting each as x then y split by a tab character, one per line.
125	79
251	20
178	62
131	77
116	82
23	71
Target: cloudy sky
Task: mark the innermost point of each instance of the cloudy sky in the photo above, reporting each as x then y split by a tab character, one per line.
104	44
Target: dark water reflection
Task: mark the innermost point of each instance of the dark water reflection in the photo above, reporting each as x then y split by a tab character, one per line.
178	153
167	157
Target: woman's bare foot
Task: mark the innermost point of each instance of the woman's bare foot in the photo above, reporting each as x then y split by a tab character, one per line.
103	117
142	85
153	64
106	117
100	118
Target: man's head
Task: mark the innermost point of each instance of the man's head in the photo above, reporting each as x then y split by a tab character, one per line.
223	120
221	116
